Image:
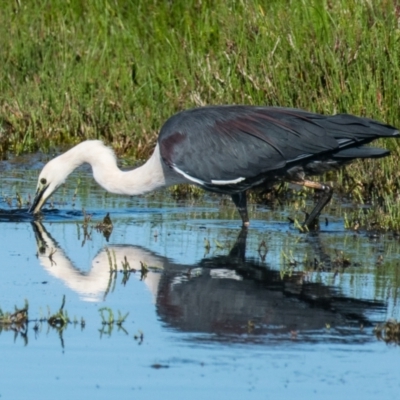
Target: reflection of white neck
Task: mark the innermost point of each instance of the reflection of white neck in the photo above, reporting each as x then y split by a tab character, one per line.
92	286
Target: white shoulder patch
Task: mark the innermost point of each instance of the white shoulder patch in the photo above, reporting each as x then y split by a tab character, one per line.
188	177
231	182
213	181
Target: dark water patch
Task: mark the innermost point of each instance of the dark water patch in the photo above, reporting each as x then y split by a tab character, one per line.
15	215
134	212
53	215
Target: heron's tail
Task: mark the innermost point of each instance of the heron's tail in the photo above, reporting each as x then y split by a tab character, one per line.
362	152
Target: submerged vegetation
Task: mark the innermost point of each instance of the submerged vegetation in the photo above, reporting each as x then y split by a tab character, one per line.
116	70
109	321
18	322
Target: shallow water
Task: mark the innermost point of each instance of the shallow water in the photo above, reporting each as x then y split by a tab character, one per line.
213	311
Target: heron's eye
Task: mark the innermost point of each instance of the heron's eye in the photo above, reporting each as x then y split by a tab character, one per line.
43	181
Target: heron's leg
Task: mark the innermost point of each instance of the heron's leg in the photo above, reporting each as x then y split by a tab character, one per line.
323	201
238	251
240	200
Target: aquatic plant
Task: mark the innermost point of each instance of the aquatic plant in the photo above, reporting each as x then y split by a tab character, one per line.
60	319
18	321
109	321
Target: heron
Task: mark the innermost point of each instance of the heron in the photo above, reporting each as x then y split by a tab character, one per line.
229	149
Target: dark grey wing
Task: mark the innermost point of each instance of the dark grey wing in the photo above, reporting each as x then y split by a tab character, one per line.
234	143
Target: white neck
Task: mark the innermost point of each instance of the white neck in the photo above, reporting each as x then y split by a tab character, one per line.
151	176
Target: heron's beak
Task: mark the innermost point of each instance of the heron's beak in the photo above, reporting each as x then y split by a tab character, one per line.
39	200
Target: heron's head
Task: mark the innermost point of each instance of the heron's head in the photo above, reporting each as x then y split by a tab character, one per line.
51	177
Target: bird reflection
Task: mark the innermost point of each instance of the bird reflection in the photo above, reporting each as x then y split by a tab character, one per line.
94	285
230	296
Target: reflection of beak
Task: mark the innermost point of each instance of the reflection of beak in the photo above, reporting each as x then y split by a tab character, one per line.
40	233
39	200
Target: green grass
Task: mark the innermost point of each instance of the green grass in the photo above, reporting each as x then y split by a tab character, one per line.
116	70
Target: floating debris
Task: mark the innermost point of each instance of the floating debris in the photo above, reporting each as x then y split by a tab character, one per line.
139	337
388	332
105	227
16	321
159	366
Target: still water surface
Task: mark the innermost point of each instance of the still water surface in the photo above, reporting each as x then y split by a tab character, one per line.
219	313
